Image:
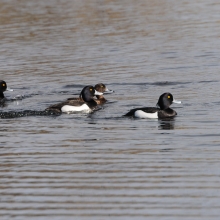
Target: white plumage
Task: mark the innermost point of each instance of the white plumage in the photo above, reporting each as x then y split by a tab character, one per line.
69	108
142	114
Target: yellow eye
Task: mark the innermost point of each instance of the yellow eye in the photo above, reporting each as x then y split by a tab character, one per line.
3	84
90	89
168	97
101	86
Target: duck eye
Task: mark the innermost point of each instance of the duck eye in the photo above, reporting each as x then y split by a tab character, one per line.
168	97
90	89
3	84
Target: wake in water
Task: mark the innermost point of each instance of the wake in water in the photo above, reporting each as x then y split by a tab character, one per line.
13	114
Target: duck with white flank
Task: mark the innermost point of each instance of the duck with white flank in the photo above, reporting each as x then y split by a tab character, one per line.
162	111
87	104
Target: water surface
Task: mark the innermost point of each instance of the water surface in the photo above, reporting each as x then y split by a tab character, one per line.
102	165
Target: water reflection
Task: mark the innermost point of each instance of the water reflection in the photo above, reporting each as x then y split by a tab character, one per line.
166	124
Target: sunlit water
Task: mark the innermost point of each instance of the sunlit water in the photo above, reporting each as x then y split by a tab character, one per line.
102	165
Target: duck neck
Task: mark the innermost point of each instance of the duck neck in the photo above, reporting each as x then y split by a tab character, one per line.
2	95
91	103
100	97
162	107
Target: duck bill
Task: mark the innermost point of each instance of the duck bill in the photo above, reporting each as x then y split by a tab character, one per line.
98	93
176	101
8	89
108	91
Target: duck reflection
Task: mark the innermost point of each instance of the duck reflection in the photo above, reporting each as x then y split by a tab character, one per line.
166	124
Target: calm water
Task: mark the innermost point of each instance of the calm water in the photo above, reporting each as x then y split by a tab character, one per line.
104	166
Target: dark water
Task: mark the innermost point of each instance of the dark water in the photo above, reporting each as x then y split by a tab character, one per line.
104	166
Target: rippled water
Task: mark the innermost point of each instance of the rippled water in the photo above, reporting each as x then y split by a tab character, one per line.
102	165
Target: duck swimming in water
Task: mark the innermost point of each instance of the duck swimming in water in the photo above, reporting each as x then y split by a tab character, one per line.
100	87
85	104
162	111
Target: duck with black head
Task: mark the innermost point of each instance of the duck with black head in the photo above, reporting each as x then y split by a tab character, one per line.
87	104
162	111
3	88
